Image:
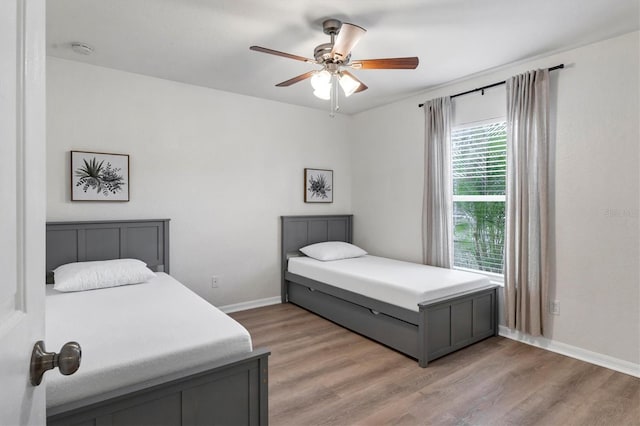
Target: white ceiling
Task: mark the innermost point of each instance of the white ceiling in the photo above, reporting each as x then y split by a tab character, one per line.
206	42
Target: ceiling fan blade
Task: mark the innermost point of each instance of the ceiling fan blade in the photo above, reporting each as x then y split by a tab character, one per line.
295	80
348	37
362	86
283	54
410	63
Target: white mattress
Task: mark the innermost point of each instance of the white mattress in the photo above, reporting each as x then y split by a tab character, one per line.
135	333
396	282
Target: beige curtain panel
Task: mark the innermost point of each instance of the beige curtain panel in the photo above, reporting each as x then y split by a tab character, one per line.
437	205
526	263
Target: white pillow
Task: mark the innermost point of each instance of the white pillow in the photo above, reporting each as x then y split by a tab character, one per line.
332	250
81	276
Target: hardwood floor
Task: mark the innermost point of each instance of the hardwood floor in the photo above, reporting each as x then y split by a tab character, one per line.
323	374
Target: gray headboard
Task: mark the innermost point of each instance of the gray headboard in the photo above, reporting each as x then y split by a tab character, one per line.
147	240
299	231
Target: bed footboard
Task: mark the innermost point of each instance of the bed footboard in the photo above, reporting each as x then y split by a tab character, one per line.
230	393
449	324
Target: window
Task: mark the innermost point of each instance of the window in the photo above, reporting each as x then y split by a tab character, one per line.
479	180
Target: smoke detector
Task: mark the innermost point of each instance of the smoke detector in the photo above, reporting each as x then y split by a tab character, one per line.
81	48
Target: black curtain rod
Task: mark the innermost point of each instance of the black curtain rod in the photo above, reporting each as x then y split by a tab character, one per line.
557	67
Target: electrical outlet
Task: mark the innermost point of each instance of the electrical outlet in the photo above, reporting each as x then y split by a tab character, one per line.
554	307
214	281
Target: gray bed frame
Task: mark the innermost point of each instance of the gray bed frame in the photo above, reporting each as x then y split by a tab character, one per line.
439	327
233	392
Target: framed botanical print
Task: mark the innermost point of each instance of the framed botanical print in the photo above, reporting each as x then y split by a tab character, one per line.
318	186
98	176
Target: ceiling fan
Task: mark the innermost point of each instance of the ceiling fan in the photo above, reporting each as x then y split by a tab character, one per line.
334	57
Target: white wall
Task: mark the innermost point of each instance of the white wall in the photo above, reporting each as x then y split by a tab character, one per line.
595	274
222	167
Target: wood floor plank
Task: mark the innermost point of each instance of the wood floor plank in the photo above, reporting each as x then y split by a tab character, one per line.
323	374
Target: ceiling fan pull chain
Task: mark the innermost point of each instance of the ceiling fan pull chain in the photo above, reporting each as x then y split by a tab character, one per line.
336	92
334	95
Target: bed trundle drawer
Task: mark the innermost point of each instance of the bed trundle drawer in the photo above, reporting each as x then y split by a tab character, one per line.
395	333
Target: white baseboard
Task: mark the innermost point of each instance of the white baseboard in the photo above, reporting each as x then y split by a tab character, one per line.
243	306
606	361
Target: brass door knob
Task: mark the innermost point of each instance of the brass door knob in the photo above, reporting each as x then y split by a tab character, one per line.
68	360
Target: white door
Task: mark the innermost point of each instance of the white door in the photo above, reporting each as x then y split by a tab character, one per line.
22	206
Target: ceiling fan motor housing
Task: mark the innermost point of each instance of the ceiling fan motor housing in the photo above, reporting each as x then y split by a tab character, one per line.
322	52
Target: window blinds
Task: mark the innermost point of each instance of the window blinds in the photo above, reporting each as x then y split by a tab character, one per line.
479	177
479	159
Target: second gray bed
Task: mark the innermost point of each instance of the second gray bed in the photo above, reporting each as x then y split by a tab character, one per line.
429	330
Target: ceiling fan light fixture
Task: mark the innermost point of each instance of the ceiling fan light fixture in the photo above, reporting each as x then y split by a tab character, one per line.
349	84
321	80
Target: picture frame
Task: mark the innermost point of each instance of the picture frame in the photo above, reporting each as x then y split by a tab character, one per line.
318	186
99	176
